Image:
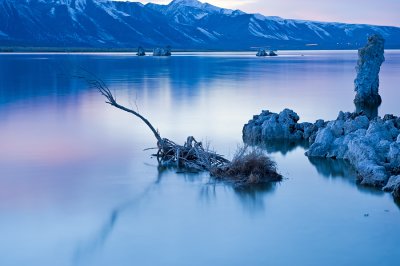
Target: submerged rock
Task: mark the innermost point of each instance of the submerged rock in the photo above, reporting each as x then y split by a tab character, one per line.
141	51
370	59
162	51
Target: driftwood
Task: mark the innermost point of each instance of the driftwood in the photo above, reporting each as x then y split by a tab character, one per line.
191	155
246	168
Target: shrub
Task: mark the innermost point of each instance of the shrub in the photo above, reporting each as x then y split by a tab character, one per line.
249	166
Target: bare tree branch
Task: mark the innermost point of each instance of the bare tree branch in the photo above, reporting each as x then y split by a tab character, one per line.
246	168
99	84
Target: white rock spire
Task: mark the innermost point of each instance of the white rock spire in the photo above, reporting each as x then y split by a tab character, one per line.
370	59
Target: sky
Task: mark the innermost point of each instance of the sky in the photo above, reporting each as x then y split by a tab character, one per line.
377	12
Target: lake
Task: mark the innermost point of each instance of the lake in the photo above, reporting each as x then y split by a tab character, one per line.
78	188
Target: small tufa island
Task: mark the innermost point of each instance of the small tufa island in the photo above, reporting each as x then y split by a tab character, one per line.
141	51
162	51
370	143
156	52
263	52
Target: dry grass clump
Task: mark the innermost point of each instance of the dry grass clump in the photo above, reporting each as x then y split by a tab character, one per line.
249	166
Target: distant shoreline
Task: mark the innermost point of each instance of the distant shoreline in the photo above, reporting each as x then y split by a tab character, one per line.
148	51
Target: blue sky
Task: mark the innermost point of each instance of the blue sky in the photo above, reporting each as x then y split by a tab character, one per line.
379	12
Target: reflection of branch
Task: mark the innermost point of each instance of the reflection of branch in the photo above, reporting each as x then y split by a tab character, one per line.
105	231
191	155
252	198
248	167
136	98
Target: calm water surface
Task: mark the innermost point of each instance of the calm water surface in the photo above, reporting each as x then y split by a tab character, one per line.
76	187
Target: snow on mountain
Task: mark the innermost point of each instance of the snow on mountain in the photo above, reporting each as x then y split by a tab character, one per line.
188	24
190	11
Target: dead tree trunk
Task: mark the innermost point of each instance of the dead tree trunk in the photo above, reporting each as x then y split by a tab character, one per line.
191	155
246	168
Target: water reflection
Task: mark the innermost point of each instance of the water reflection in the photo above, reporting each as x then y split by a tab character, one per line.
187	175
282	146
334	168
210	97
28	79
95	243
327	167
208	192
89	247
253	197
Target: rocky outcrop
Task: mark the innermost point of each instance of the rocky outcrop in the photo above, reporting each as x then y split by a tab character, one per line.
371	146
162	51
284	126
272	53
370	59
141	51
261	52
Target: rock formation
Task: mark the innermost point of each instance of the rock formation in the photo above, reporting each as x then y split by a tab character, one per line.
162	51
366	144
371	146
272	53
261	52
270	126
370	59
141	51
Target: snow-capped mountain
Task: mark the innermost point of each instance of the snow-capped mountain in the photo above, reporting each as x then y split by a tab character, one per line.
186	24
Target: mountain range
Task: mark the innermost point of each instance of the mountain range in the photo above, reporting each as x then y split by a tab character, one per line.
182	24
